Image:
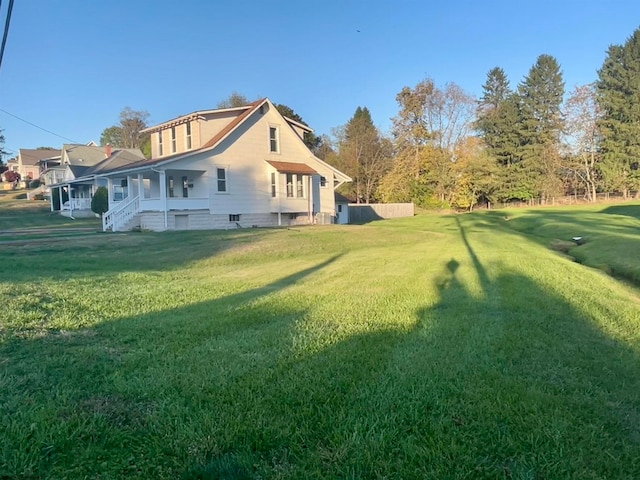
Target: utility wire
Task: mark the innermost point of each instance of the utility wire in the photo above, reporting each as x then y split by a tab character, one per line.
38	126
6	30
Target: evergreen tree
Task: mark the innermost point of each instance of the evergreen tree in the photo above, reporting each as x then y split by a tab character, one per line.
363	154
618	93
540	127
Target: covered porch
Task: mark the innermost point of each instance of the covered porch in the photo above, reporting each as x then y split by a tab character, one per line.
73	199
151	190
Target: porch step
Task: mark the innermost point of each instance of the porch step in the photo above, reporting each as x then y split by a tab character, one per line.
131	224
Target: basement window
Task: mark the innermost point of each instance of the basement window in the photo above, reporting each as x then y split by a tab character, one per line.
234	217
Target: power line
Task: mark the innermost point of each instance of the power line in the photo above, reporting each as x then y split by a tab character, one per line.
37	126
6	30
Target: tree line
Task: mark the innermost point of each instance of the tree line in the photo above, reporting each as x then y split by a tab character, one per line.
449	149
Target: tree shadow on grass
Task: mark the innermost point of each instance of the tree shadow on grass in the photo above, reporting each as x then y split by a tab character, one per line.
514	383
627	210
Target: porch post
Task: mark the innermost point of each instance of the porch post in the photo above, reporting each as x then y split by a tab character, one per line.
70	200
163	196
140	187
129	186
51	197
60	197
310	204
110	191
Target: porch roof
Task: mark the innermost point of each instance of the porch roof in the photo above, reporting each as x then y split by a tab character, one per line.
291	167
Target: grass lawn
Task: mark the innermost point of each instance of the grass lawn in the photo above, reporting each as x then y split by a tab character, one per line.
457	346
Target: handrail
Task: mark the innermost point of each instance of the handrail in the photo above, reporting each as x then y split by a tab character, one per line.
119	215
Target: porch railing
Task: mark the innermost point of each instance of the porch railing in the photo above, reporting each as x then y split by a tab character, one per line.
118	216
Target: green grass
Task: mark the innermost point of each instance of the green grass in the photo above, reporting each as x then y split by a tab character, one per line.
431	347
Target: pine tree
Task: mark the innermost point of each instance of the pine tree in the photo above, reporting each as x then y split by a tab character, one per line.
618	92
541	124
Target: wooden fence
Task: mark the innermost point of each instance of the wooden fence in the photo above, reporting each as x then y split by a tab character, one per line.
566	200
368	212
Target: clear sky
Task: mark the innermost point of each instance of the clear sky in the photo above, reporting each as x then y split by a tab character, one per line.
70	66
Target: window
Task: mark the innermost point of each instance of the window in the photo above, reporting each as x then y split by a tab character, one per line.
171	191
323	181
160	150
185	187
234	218
222	179
173	139
290	185
295	185
188	137
273	140
339	208
299	187
273	184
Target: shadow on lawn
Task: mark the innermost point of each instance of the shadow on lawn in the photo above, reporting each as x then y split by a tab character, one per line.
513	384
107	254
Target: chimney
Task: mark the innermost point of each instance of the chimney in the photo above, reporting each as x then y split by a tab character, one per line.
107	150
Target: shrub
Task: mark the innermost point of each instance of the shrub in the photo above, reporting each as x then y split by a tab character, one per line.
11	176
100	201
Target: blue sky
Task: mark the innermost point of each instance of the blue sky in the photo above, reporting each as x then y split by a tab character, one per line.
71	65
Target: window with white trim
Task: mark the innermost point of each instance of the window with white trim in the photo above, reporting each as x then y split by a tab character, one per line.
221	174
273	184
188	136
290	185
160	149
299	187
171	187
234	217
173	139
323	181
274	143
295	185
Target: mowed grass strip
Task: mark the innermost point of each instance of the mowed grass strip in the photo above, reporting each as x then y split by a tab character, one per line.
431	347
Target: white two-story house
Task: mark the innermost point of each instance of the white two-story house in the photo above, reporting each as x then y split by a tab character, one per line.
218	169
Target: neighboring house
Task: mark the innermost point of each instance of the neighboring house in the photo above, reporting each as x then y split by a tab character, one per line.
219	169
12	164
77	176
29	161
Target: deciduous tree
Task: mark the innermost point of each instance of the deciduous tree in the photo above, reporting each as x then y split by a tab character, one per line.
128	134
582	112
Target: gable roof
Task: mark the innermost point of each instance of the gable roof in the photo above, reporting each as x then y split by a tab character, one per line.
30	156
210	145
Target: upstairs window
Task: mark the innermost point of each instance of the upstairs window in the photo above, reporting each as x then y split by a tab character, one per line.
160	149
188	136
222	179
274	146
173	139
323	181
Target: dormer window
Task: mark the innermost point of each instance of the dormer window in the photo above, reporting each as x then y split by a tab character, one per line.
188	136
160	149
173	139
274	144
